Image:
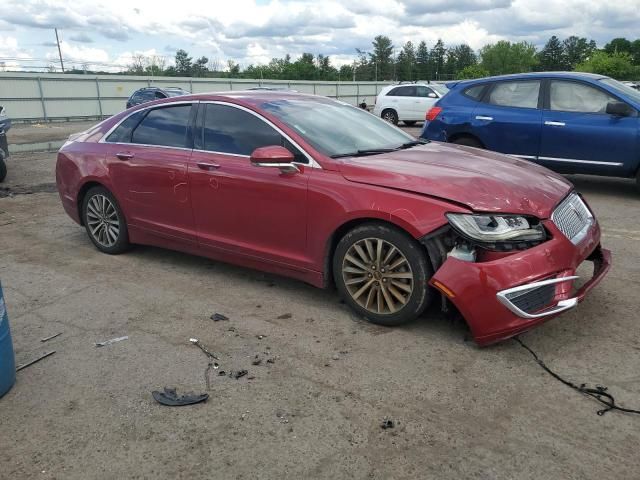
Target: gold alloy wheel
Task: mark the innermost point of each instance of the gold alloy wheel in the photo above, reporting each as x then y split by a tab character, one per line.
377	276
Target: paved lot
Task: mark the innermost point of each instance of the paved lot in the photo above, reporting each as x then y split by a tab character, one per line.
315	412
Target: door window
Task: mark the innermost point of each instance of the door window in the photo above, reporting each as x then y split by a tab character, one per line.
407	91
422	91
232	130
577	97
164	126
515	94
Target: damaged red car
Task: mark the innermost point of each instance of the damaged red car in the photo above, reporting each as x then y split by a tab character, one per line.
315	189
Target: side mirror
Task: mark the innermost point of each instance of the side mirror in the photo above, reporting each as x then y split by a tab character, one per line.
274	156
432	95
619	109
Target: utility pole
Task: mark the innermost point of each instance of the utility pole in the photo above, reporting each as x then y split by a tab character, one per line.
59	51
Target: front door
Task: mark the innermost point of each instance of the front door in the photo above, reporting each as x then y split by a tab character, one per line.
258	212
148	158
579	136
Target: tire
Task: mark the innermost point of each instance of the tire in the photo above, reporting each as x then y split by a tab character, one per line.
467	141
390	115
104	221
371	291
409	123
3	167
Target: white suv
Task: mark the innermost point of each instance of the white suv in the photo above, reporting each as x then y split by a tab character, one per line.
407	102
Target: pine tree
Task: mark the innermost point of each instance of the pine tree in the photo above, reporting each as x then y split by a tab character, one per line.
552	56
422	62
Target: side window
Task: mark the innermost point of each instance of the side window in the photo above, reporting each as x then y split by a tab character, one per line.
515	94
425	92
475	92
164	126
122	134
407	91
136	97
147	96
232	130
577	97
158	95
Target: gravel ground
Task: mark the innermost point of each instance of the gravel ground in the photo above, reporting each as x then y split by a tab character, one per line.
316	411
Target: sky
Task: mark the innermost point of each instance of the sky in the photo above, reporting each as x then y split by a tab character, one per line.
107	35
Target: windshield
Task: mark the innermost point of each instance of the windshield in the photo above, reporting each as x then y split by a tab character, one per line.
175	92
335	128
622	89
440	88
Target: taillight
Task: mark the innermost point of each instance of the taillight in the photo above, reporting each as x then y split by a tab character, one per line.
433	113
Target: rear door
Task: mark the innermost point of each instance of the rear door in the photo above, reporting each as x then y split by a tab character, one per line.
148	157
402	99
579	136
508	120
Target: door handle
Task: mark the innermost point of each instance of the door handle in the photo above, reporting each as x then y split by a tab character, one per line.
208	166
554	124
482	117
124	156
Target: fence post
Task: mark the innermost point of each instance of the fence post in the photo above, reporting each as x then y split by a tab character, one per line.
191	85
358	94
99	99
44	106
337	91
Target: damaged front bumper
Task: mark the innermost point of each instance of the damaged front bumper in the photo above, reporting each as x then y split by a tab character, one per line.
503	297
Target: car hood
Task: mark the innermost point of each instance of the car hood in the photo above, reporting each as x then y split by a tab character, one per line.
483	181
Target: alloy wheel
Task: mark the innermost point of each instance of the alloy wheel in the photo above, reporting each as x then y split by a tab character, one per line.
377	275
103	221
389	117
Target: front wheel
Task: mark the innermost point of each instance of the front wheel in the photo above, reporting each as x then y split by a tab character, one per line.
382	273
104	221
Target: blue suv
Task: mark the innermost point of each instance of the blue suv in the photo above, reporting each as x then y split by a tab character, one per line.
569	122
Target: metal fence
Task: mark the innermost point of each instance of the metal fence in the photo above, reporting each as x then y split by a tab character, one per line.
50	97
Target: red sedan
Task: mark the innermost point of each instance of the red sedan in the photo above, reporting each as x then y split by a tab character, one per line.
315	189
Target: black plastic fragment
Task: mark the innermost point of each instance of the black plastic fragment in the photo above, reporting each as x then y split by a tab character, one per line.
170	398
387	423
216	317
239	374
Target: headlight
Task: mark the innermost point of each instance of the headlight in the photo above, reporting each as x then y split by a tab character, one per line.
496	228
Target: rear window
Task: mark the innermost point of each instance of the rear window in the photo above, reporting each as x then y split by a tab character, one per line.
522	94
122	134
164	127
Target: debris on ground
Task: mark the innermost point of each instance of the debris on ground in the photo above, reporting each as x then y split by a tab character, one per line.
282	415
260	337
284	316
113	340
51	337
256	360
170	398
216	317
238	374
336	357
36	360
222	373
211	365
271	360
387	423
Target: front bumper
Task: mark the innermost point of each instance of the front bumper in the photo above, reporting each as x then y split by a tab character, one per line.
487	293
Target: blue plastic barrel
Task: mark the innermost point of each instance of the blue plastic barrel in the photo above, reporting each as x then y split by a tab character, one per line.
7	359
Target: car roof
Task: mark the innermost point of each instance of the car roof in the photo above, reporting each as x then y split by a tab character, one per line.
254	98
530	75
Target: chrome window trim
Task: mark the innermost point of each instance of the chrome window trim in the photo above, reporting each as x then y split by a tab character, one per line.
312	163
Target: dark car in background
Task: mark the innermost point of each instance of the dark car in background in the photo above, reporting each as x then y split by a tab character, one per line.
567	121
5	125
149	94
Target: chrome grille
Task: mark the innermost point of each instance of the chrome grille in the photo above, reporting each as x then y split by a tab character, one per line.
573	218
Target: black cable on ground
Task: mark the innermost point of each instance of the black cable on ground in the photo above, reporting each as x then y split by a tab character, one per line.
599	392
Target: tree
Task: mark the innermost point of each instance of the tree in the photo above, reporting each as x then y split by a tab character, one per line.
406	63
137	65
472	71
616	65
437	60
552	56
505	57
234	68
635	52
422	61
382	57
618	45
183	63
577	50
458	58
199	67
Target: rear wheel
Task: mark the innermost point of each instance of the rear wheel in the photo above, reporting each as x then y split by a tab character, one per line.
467	141
382	273
409	123
390	116
104	221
